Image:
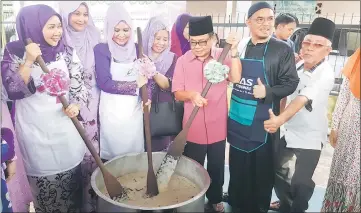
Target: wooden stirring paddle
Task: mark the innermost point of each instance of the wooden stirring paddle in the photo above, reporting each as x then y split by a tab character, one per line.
152	186
113	186
176	148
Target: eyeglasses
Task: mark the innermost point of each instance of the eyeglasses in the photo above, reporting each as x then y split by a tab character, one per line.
200	43
261	20
315	45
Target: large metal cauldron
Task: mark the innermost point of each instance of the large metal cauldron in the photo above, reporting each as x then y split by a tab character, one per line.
138	162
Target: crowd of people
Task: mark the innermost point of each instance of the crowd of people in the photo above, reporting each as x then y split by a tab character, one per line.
278	107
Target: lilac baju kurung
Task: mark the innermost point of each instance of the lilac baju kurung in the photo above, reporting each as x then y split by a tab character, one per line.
51	146
83	42
120	109
165	64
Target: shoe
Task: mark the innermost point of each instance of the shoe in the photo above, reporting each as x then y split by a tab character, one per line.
225	197
219	207
275	206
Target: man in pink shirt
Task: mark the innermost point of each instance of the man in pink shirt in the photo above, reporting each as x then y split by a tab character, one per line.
208	131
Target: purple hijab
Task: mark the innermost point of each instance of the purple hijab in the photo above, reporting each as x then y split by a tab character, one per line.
29	24
115	14
83	41
165	59
180	24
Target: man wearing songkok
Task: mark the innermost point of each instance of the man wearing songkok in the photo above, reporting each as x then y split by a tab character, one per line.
305	120
193	70
268	75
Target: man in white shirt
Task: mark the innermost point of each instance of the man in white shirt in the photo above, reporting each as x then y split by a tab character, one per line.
305	120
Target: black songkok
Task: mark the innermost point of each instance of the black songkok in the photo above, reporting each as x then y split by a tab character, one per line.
258	6
200	25
322	27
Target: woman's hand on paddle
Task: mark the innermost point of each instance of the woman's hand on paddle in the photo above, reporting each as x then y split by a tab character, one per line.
333	138
11	169
148	104
274	122
72	110
32	52
198	100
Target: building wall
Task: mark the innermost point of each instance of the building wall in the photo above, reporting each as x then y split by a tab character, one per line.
340	7
206	7
348	13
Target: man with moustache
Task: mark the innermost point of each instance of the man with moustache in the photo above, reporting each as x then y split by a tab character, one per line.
305	120
207	134
268	75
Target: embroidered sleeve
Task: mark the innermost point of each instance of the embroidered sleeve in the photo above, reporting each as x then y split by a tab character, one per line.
104	78
342	101
11	79
77	90
151	88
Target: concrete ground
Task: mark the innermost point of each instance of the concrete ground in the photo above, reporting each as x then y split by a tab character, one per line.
320	177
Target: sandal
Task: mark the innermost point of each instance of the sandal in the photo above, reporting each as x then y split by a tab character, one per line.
219	207
275	206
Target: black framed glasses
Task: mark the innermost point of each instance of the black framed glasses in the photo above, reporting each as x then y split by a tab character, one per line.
200	43
261	20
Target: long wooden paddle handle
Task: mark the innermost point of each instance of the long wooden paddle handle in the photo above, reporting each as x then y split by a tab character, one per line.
205	90
75	120
144	95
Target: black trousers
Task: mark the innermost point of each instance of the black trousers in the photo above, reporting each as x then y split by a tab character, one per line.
251	179
215	165
294	191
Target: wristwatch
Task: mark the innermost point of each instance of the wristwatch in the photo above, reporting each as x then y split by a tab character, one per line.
235	56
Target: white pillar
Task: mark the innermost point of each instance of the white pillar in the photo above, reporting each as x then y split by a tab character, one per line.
242	9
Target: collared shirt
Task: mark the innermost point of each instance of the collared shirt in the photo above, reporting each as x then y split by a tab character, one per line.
312	68
210	123
308	129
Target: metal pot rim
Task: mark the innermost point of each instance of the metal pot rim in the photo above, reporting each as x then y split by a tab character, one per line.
196	197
